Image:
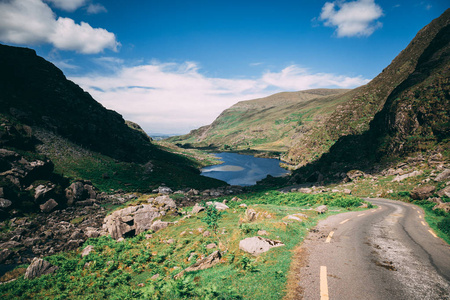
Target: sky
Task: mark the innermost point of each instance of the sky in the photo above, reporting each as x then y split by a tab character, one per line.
174	65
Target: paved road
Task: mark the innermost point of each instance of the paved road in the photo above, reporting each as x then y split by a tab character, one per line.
384	253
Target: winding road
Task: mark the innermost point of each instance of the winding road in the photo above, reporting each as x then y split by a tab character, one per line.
387	252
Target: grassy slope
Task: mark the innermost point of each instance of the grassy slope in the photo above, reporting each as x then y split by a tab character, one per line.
266	124
123	270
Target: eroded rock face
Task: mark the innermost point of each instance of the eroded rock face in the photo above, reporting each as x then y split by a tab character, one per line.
39	267
257	245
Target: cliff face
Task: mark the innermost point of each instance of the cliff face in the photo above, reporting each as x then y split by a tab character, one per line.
37	93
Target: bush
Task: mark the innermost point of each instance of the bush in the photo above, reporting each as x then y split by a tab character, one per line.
444	225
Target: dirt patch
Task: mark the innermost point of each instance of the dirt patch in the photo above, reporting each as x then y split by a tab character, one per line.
293	289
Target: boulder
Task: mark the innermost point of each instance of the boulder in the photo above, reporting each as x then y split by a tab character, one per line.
207	262
39	267
4	255
444	175
197	208
305	190
250	215
422	192
322	209
48	206
399	178
158	225
257	245
211	246
87	250
296	217
444	206
354	174
262	232
163	190
79	191
131	220
5	203
41	192
218	205
444	192
163	202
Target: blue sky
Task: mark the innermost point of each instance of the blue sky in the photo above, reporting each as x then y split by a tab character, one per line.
173	66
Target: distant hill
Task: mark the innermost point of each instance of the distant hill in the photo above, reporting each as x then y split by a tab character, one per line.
42	112
268	124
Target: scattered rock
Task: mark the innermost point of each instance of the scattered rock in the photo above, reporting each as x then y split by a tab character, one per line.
236	199
399	178
197	208
163	190
158	225
207	262
206	233
218	205
39	267
322	209
262	232
444	206
444	175
243	205
250	215
297	217
444	192
164	202
154	277
305	190
211	246
257	245
364	205
354	174
48	206
5	203
422	192
87	250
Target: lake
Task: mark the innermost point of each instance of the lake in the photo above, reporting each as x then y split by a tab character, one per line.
244	170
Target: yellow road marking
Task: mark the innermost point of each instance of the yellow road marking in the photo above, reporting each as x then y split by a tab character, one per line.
420	217
361	215
344	221
423	223
434	234
323	283
329	237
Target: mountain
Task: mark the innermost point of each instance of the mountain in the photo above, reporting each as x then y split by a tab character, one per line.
53	133
361	104
414	118
268	124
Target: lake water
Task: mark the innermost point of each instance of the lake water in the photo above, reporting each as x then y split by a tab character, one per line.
244	170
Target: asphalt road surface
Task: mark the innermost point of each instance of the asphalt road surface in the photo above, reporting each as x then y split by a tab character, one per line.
387	252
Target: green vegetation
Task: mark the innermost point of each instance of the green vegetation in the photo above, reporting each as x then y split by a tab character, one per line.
128	269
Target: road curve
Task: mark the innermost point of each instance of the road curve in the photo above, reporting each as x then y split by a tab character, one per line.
387	252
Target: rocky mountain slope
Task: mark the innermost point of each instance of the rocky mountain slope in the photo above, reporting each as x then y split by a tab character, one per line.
268	124
53	133
354	116
414	118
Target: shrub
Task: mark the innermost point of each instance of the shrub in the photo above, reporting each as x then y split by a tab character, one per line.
444	225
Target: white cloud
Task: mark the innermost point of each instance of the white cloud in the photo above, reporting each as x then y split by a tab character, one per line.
33	22
356	18
95	8
67	5
175	98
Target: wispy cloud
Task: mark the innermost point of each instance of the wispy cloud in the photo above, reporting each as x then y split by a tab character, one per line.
33	22
175	98
355	18
67	5
95	8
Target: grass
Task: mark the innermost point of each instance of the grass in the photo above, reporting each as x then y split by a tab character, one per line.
124	270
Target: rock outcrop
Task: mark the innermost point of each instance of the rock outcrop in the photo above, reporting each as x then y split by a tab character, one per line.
39	267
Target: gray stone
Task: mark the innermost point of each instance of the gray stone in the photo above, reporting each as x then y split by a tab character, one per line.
250	215
422	192
444	192
257	245
207	262
158	225
211	246
87	250
39	267
322	209
48	206
5	203
218	205
444	175
399	178
197	208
